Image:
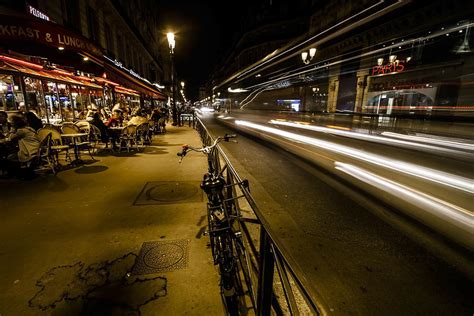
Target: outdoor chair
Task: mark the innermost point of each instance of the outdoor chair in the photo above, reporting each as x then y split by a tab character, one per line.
57	145
80	143
95	137
44	157
143	134
83	126
128	137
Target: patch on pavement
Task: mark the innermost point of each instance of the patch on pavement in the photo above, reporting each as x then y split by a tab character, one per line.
169	192
161	256
101	288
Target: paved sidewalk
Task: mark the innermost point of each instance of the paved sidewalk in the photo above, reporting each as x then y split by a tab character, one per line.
120	236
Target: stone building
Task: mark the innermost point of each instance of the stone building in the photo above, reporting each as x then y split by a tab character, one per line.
107	52
384	58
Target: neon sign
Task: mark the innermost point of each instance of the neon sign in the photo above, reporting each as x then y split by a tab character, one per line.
390	68
37	13
130	71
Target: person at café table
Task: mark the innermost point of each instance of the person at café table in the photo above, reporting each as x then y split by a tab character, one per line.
5	126
27	140
115	119
138	118
33	121
97	121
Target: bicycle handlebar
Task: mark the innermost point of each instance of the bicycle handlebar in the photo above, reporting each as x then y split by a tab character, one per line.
206	149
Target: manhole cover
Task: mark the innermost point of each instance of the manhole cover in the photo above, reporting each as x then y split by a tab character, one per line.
168	192
160	256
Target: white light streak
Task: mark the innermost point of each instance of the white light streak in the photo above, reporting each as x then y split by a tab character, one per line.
436	176
372	138
428	140
462	218
238	90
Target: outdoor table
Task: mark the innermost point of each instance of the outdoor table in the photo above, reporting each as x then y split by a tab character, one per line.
74	137
114	134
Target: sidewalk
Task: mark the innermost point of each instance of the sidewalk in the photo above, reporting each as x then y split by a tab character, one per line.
120	236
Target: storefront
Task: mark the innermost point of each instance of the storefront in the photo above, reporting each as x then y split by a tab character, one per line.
60	93
53	94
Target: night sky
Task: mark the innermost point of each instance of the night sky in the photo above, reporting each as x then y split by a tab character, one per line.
204	33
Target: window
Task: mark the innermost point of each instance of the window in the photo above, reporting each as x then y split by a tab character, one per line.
120	49
109	41
71	16
92	24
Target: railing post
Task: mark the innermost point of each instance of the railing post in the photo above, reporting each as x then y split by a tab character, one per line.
265	280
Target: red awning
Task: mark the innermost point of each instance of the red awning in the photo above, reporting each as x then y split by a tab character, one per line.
127	91
30	69
125	79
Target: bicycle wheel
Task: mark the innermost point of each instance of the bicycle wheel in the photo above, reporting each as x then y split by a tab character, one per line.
228	270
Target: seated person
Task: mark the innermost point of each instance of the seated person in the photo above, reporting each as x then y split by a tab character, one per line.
138	119
5	126
115	119
33	121
27	148
28	142
96	121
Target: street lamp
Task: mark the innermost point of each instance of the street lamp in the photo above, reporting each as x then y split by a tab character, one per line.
172	44
304	55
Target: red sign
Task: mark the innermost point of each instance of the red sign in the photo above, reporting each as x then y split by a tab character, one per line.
25	28
393	67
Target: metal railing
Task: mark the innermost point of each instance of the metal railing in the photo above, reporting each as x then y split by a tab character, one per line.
280	291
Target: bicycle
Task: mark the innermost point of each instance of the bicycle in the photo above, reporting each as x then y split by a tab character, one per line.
223	230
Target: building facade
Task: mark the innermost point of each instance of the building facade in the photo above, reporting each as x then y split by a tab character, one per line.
89	53
372	57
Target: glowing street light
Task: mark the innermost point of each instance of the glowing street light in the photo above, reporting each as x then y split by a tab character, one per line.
172	44
171	41
304	55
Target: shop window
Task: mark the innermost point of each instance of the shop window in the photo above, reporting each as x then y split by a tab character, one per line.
52	101
395	101
11	96
34	97
65	102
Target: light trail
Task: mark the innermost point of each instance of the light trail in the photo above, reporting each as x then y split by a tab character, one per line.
447	212
373	138
428	140
432	175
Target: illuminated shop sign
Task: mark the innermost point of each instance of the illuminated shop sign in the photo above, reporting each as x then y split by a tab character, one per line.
27	29
37	13
395	66
130	71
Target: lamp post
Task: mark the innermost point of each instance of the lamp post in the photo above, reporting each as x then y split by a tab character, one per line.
171	44
304	55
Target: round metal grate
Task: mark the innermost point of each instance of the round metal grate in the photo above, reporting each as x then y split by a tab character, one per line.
171	192
163	256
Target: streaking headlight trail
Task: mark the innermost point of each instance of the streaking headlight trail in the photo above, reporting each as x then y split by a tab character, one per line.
429	174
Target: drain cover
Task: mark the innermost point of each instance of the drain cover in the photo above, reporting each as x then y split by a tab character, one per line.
167	192
161	256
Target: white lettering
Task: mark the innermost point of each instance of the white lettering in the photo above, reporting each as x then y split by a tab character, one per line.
37	13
